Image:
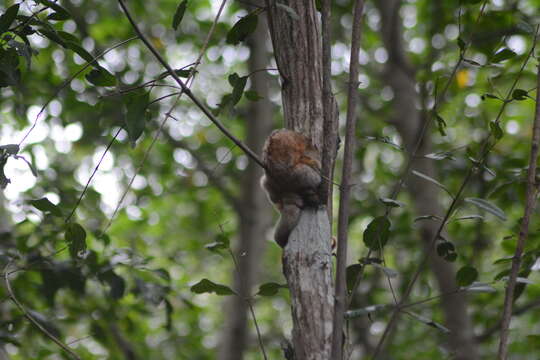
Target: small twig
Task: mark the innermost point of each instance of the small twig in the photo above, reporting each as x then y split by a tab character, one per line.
186	90
248	302
31	318
92	176
344	202
486	148
515	312
530	198
67	82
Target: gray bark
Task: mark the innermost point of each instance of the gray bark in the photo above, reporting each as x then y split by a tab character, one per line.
409	121
307	264
254	213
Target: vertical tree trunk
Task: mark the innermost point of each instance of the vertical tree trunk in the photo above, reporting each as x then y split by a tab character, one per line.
408	122
255	217
307	262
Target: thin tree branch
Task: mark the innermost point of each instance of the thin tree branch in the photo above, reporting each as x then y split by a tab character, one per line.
31	318
168	114
67	82
486	148
515	312
344	202
530	198
186	90
248	303
92	176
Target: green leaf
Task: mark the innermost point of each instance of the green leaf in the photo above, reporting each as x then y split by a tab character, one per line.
487	206
207	286
61	13
79	50
428	321
243	27
491	96
238	90
8	17
76	238
45	205
352	273
496	130
469	217
444	248
116	283
101	77
461	44
135	115
376	233
270	289
351	314
466	275
252	95
391	202
179	14
69	37
430	179
52	35
441	124
481	288
222	242
503	55
519	94
427	217
10	149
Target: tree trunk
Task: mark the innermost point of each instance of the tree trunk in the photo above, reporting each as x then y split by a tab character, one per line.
307	263
409	121
254	215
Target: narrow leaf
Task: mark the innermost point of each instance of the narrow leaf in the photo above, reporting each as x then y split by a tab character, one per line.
487	206
270	289
391	202
430	179
519	94
101	77
503	55
76	238
352	273
466	275
179	14
243	27
207	286
45	205
7	18
135	119
428	322
376	233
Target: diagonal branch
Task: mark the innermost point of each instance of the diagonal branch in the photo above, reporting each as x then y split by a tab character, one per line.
36	323
186	90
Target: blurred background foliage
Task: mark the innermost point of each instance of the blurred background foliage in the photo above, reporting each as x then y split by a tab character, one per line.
128	290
